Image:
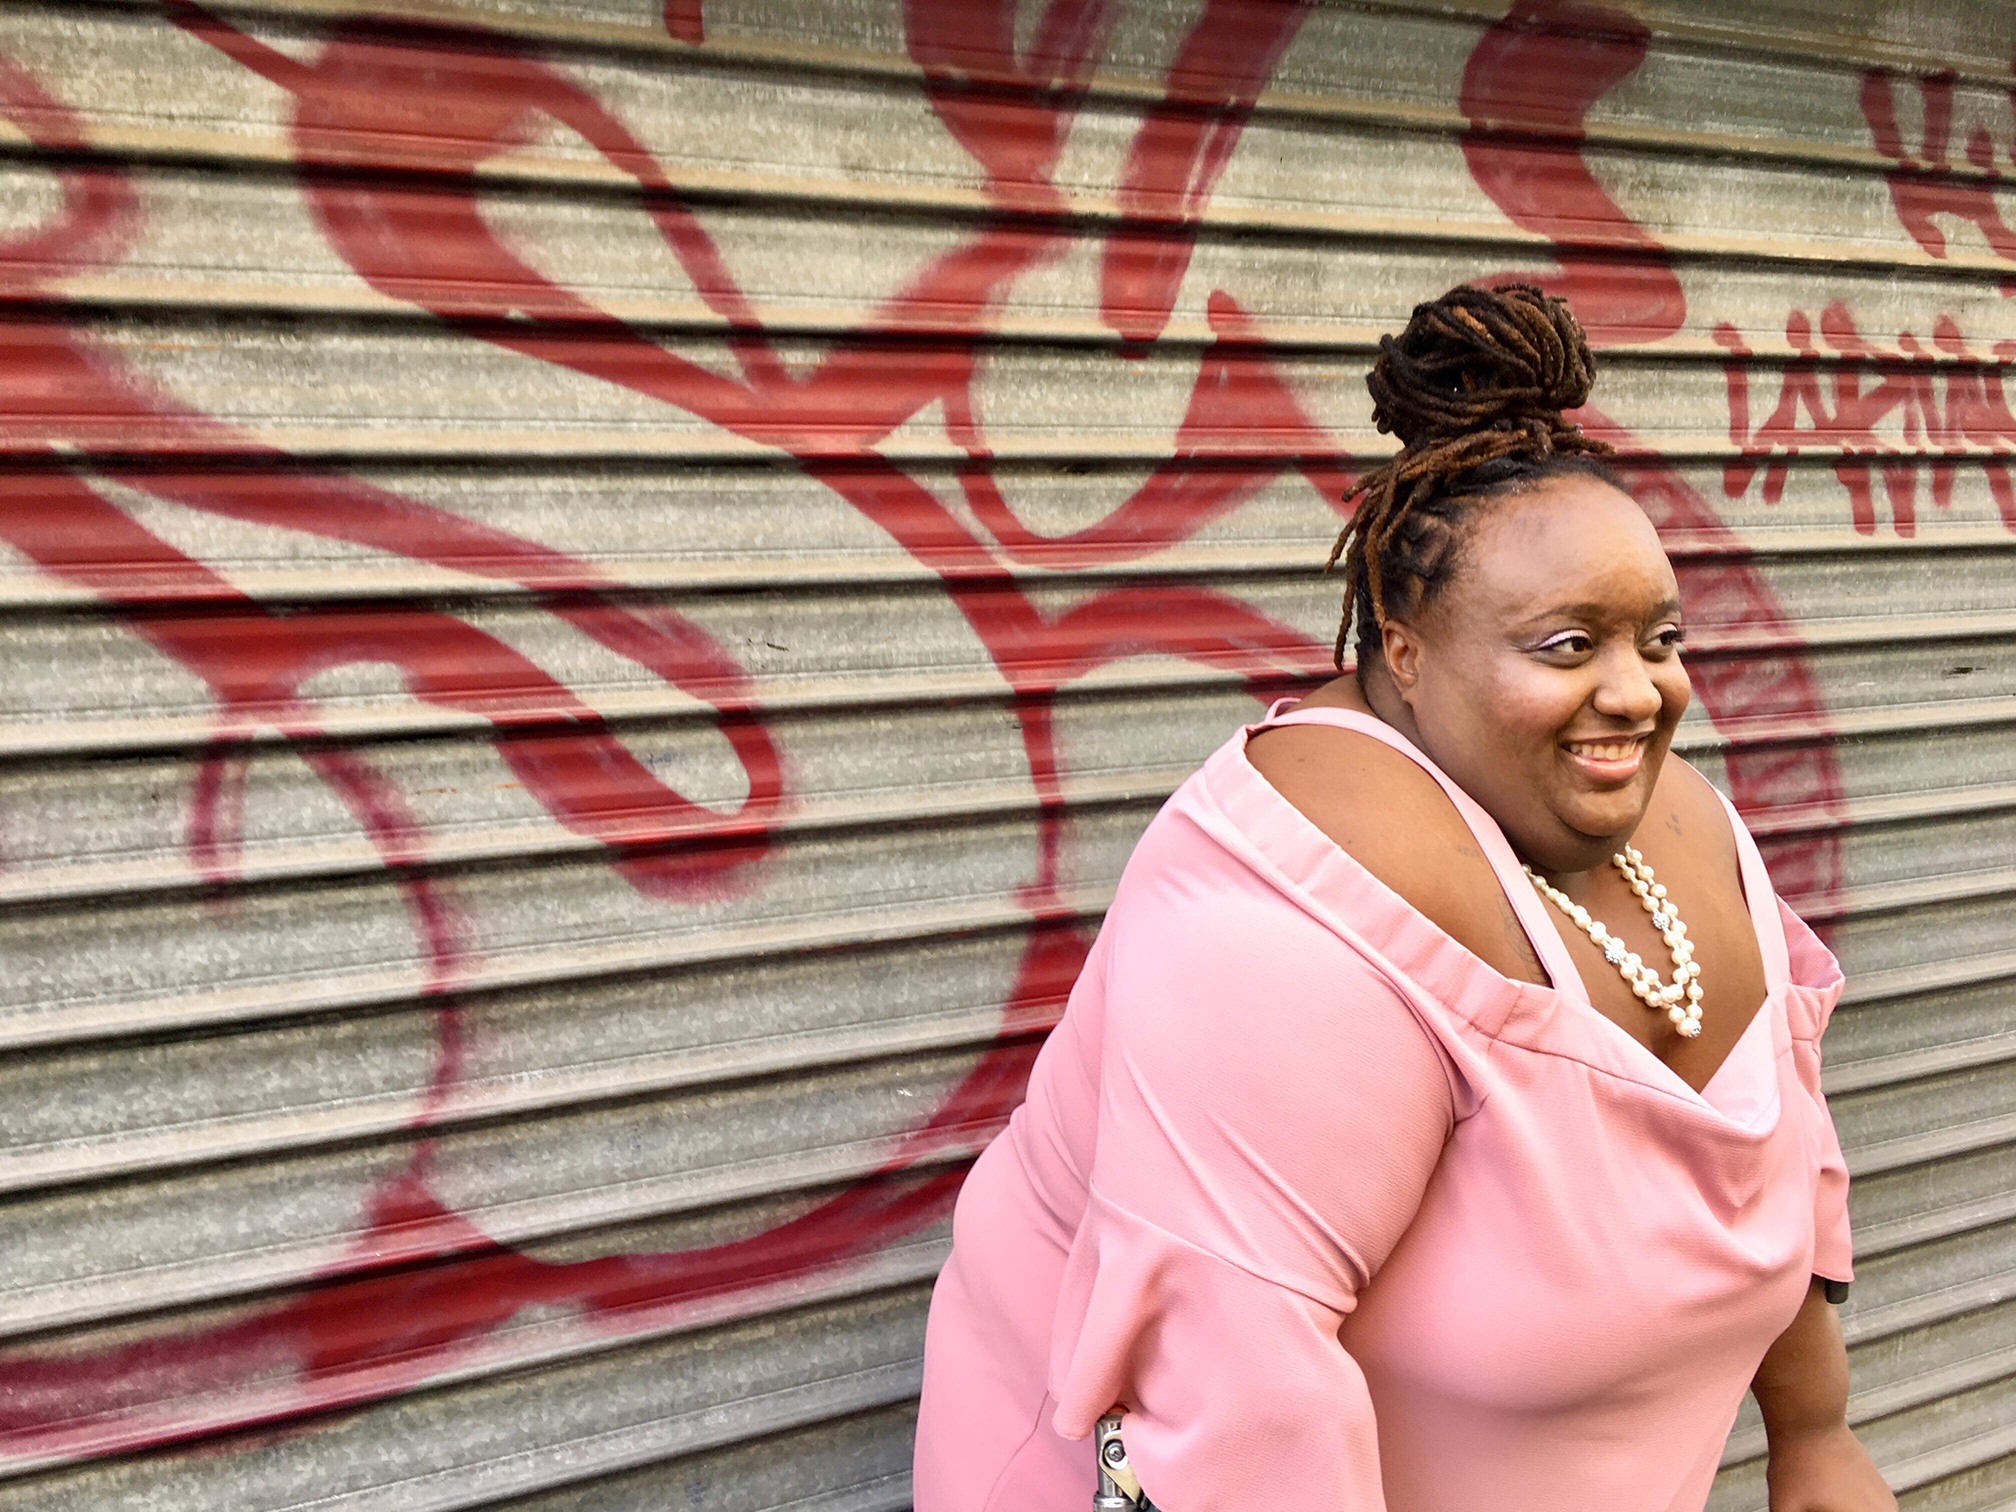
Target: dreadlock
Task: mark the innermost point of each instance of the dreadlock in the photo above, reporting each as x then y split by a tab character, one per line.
1474	388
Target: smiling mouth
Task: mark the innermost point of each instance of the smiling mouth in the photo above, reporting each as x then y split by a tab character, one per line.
1608	760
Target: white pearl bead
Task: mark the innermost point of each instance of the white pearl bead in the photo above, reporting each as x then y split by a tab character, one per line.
1680	998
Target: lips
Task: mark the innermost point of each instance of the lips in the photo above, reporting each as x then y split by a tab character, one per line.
1607	761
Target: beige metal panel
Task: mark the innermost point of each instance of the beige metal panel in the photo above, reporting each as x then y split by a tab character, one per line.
118	1109
82	831
654	527
173	963
1348	230
221	1232
857	1465
104	1109
810	1375
1726	70
400	390
237	1116
534	659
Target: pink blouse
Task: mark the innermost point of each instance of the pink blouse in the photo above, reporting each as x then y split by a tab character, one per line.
1351	1221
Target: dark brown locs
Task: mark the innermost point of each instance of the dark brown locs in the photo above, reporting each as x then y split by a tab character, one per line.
1474	387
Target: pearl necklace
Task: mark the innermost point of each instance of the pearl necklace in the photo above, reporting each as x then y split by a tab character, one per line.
1681	998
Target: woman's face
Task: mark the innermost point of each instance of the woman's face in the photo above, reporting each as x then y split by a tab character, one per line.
1545	678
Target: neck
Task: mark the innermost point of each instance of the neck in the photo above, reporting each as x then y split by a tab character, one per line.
1375	685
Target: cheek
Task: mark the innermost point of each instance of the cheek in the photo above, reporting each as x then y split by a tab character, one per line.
1676	691
1519	703
1506	706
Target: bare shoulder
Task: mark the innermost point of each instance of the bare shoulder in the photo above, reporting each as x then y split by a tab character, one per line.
1686	807
1392	818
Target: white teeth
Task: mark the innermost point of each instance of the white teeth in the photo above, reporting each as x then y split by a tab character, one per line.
1622	752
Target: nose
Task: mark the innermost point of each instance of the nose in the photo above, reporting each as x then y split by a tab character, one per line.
1625	690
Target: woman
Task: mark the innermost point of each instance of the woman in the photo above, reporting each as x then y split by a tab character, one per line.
1436	1125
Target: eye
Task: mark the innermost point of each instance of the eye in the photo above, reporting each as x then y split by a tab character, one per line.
1667	639
1568	643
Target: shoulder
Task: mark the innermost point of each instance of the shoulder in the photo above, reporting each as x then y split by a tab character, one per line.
1240	1020
1218	988
1394	820
1685	799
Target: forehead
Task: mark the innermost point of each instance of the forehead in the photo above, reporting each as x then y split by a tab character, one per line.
1570	540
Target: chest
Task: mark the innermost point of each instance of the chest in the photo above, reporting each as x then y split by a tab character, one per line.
1585	1240
1724	941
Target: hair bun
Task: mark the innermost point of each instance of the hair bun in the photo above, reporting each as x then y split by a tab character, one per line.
1510	358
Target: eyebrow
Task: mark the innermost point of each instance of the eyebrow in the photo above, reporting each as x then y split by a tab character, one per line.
1588	609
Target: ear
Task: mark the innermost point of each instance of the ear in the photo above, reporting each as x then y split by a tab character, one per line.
1403	657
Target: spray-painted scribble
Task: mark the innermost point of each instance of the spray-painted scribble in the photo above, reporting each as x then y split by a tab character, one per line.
379	99
1881	411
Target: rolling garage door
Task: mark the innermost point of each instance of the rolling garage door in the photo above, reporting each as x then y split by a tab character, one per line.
593	593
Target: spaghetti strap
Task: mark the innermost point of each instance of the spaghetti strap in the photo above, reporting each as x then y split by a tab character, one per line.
1519	891
1762	899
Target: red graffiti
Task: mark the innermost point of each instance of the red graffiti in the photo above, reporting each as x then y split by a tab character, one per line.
1011	112
684	21
388	96
390	124
1180	151
1928	184
1894	416
1527	91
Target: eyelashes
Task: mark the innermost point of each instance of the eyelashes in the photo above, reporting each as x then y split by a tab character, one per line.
1579	642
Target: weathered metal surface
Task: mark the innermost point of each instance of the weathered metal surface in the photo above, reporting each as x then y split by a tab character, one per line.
593	593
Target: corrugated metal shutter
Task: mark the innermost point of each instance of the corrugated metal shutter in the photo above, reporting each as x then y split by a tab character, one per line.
594	594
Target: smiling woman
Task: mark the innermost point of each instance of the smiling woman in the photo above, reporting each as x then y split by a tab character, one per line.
1374	1164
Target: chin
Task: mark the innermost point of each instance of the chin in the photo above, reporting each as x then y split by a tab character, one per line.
1606	825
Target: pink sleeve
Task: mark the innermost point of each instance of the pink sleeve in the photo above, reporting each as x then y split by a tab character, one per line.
1833	1250
1270	1111
1809	1004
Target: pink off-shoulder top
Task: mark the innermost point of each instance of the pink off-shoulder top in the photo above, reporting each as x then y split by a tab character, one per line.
1350	1221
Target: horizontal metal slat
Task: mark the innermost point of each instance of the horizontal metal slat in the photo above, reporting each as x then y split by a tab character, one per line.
528	666
165	1003
120	872
853	1342
1747	48
203	1263
407	391
1298	224
118	1111
148	587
